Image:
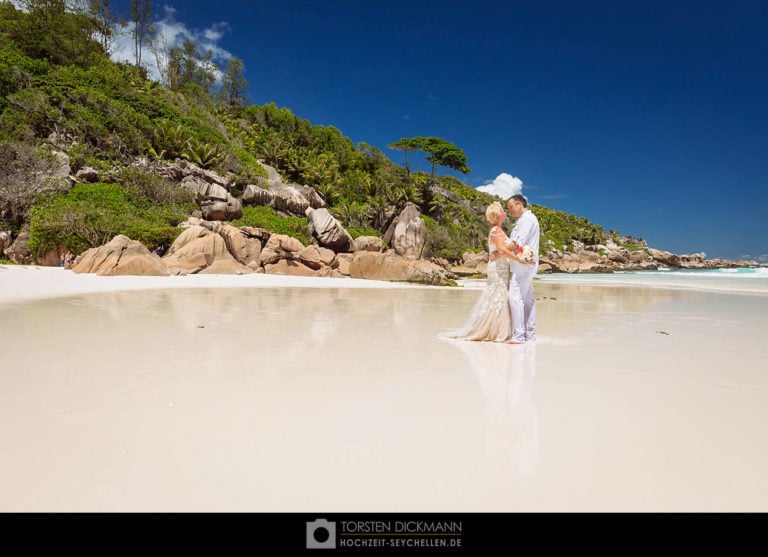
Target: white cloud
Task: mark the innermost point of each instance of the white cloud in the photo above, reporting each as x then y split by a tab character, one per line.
216	31
504	185
171	33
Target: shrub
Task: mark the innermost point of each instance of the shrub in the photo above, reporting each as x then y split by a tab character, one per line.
244	166
25	177
205	155
169	139
441	243
152	191
632	247
17	71
92	214
357	232
266	218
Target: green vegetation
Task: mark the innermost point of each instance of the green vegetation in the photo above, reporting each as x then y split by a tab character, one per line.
562	228
266	218
26	178
632	247
92	214
60	91
357	232
439	153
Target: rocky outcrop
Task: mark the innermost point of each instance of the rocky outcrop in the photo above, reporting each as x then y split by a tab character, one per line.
216	203
610	257
328	231
257	195
243	243
212	190
60	178
120	256
392	267
5	241
194	250
474	260
180	169
230	209
203	189
664	257
311	195
18	252
273	176
471	264
368	243
287	199
449	195
226	265
280	246
51	257
62	141
292	268
291	199
87	174
407	234
316	257
694	261
342	263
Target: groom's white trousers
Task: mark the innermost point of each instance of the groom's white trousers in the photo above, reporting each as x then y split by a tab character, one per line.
521	301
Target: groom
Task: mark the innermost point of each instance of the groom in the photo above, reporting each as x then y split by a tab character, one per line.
525	233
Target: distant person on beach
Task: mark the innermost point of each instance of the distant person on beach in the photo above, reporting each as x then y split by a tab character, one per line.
525	235
490	317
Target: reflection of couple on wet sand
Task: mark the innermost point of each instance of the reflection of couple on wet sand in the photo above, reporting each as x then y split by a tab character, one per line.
506	378
506	310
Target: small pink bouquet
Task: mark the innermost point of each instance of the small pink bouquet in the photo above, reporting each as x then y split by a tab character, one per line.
525	253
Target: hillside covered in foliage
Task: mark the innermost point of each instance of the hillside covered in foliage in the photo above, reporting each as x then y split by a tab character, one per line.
61	93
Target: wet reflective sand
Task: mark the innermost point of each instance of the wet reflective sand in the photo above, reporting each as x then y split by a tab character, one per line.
292	399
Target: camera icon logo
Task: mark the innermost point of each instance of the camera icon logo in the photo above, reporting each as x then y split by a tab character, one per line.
321	534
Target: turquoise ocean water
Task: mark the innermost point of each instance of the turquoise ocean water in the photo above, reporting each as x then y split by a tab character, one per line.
746	280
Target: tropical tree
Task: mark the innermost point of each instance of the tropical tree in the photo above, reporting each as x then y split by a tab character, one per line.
406	145
187	66
141	17
105	18
52	30
443	153
234	85
439	152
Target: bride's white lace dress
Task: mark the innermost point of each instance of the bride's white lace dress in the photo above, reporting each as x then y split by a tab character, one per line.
490	318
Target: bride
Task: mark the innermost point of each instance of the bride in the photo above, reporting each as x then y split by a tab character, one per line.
490	318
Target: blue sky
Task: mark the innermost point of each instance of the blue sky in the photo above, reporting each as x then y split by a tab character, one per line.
649	117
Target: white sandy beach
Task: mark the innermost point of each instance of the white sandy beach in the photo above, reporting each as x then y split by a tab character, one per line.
273	393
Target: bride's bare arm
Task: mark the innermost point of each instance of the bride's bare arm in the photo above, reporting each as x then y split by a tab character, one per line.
499	238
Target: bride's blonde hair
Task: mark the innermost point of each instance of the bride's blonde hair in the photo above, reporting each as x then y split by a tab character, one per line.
494	211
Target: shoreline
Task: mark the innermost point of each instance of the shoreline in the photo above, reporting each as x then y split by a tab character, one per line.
21	283
717	285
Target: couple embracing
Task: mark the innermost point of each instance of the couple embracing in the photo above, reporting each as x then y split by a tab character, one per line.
506	310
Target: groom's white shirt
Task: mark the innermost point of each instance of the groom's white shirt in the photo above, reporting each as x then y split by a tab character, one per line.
521	301
526	233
